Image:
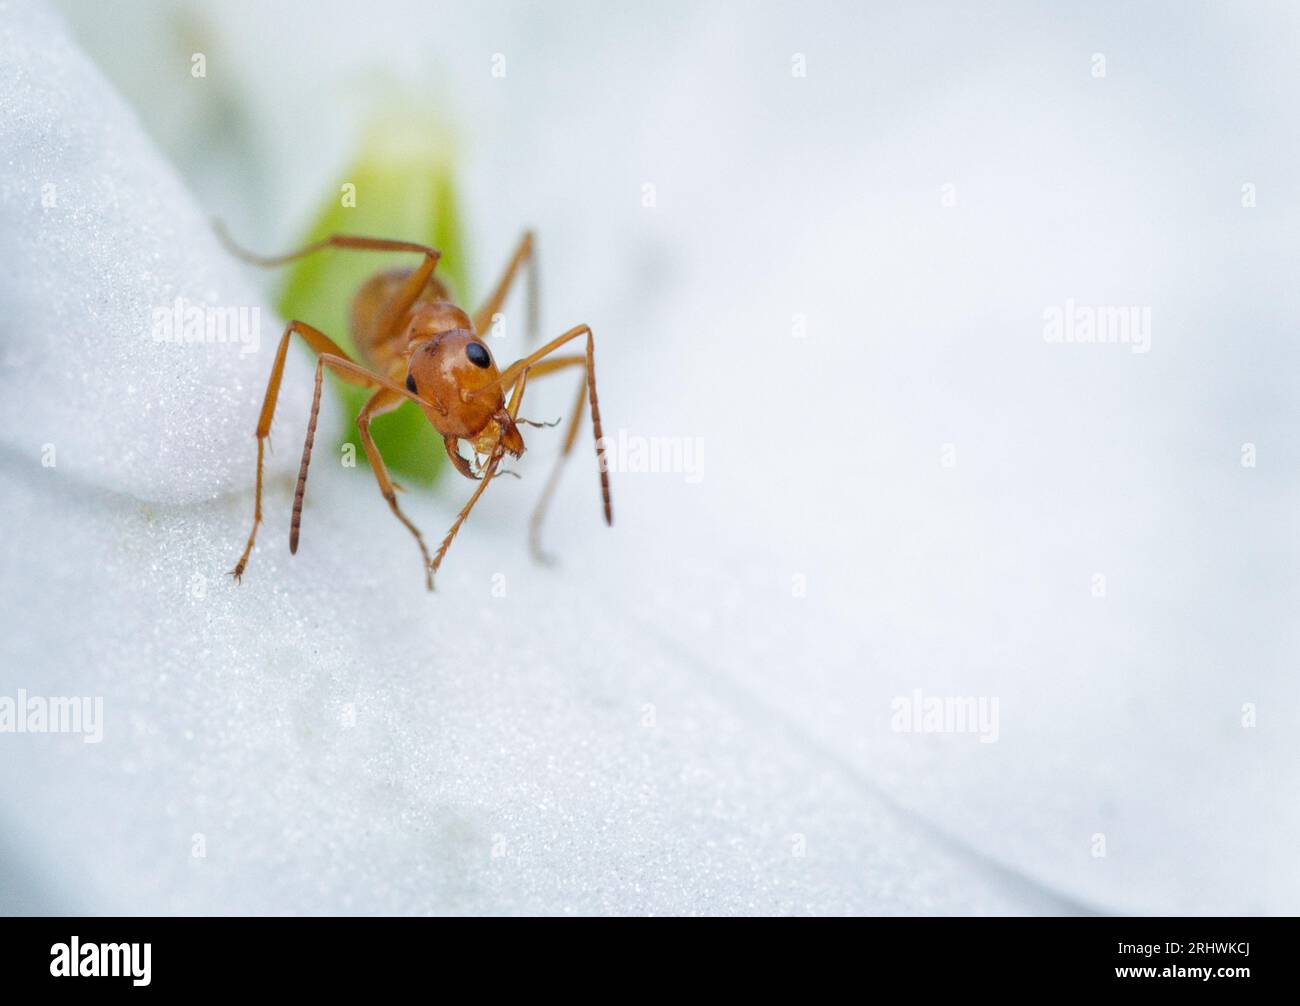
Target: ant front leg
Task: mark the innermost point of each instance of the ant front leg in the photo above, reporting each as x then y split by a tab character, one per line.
388	396
488	474
320	343
570	438
380	402
489	470
536	365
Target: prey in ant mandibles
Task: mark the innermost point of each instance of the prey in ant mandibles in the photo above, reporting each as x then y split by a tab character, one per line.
415	343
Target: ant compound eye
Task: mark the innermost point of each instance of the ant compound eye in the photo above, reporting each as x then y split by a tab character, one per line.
478	354
410	384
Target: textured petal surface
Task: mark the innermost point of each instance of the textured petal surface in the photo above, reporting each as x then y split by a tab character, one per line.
899	488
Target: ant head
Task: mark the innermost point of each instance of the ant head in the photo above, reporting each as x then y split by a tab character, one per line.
446	370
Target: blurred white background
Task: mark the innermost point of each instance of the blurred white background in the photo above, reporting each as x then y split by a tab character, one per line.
840	289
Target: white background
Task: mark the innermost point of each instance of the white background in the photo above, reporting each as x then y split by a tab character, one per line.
500	760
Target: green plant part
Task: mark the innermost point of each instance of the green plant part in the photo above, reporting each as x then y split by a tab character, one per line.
401	186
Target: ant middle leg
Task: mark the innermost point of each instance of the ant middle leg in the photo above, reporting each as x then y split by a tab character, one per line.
525	255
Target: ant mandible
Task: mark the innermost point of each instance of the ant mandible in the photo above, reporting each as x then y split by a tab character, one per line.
416	344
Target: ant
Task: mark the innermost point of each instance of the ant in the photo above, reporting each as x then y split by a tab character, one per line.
415	343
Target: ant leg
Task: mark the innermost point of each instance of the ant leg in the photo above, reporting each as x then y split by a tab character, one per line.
525	255
488	474
517	395
319	343
351	241
380	402
537	364
357	374
553	480
353	373
397	305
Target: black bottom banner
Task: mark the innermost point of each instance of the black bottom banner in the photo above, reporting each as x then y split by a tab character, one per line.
337	955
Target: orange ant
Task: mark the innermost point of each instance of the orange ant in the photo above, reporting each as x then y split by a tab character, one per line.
416	344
